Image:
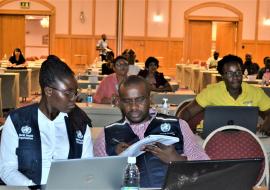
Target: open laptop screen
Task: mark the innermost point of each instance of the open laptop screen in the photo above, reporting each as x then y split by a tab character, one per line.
218	116
93	173
213	174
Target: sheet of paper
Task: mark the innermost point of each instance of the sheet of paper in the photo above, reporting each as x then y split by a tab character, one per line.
135	149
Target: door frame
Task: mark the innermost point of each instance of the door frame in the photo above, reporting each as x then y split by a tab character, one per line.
50	13
189	17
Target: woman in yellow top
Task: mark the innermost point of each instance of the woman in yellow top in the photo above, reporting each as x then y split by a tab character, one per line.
230	92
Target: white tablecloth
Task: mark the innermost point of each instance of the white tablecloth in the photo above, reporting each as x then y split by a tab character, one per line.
10	90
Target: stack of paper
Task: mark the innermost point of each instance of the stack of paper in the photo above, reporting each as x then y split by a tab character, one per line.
135	149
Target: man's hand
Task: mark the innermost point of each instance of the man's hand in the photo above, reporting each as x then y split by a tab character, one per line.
121	147
164	153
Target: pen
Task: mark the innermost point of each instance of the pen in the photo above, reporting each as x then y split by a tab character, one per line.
115	140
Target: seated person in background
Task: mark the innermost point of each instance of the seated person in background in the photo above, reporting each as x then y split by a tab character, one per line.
107	91
156	80
213	61
130	55
55	128
252	68
266	62
107	68
139	122
230	92
17	58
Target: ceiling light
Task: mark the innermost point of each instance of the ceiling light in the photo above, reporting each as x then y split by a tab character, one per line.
44	22
266	21
158	18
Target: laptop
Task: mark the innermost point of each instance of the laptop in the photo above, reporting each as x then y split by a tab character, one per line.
218	116
103	173
213	174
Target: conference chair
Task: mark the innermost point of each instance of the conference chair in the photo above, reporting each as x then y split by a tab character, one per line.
193	122
236	142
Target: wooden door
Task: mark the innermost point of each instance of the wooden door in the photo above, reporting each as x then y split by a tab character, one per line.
12	34
226	38
199	40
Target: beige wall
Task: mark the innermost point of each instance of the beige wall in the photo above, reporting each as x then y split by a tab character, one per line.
140	32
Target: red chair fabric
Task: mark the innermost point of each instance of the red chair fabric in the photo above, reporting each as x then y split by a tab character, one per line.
234	144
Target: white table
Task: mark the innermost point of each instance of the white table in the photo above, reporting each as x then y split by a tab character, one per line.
10	90
104	114
173	97
35	87
24	80
85	83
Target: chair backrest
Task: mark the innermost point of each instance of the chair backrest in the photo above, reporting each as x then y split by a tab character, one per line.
193	122
182	105
235	142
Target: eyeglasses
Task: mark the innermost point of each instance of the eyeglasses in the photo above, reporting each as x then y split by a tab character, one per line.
130	101
68	93
231	74
121	64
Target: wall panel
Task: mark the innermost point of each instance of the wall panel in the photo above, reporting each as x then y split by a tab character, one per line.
82	8
137	44
62	48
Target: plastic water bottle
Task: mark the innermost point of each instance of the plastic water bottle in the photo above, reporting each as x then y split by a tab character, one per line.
89	98
165	107
131	178
246	73
266	77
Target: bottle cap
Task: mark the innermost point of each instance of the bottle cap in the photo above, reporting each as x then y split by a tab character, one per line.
132	160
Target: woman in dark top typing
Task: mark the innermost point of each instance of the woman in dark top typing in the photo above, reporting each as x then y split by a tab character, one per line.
17	58
156	80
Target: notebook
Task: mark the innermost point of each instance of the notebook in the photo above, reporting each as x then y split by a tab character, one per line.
95	173
218	116
213	174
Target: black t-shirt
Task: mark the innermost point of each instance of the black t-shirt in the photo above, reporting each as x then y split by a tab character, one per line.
13	60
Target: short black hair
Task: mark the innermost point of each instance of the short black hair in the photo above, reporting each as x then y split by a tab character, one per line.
120	57
133	80
151	60
228	59
128	51
53	69
265	58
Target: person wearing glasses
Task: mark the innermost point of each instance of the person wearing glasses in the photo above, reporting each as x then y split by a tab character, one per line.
138	122
230	92
107	91
55	128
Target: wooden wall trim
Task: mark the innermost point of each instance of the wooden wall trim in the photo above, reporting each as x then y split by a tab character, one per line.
152	38
42	46
215	18
254	41
214	4
93	17
257	19
69	16
170	18
26	12
146	19
45	3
